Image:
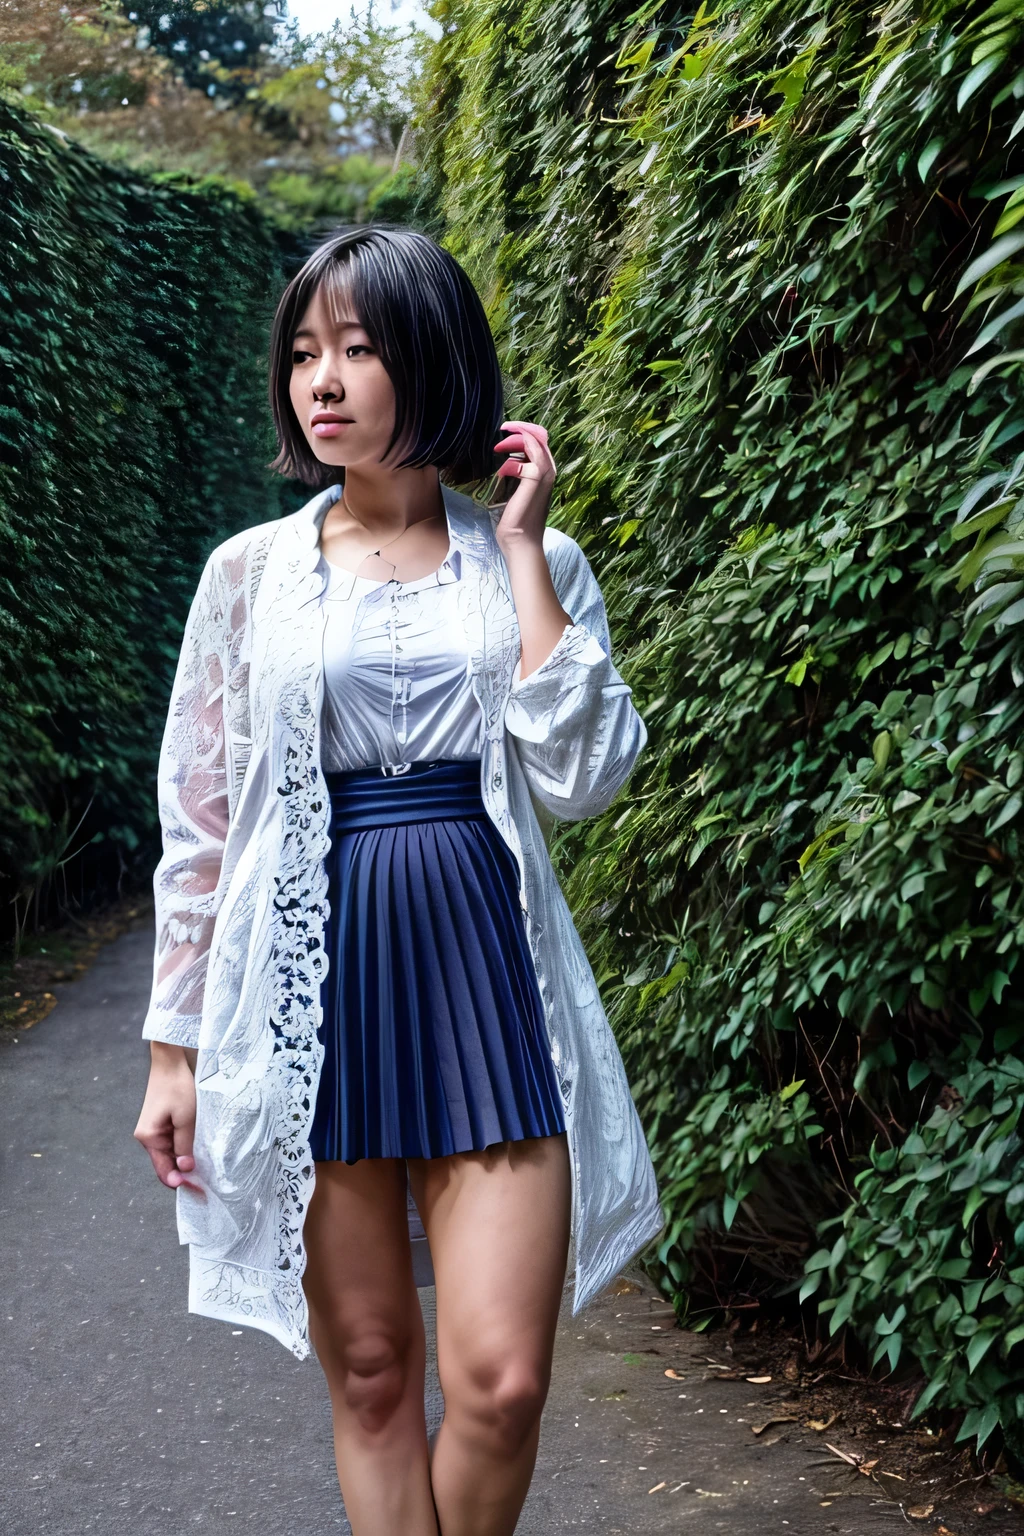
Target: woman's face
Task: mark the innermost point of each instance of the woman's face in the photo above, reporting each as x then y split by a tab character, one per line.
340	390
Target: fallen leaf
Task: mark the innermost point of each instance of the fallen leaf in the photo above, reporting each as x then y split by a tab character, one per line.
826	1503
944	1530
674	1375
759	1381
657	1488
984	1509
706	1495
791	1370
866	1466
722	1376
820	1424
759	1429
920	1511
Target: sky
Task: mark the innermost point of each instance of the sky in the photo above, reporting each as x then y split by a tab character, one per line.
318	15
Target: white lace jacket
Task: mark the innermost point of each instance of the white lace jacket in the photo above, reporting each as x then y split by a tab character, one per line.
241	895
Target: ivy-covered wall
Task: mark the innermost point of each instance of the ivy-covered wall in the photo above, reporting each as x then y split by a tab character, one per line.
759	269
134	427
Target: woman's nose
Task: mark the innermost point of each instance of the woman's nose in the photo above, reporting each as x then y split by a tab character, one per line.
326	384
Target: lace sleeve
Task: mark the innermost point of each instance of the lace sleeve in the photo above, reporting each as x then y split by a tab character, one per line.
576	731
193	802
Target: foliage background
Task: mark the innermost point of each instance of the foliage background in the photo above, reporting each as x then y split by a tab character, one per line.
759	268
133	435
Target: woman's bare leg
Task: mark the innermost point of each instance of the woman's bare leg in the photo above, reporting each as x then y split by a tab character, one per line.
498	1225
367	1329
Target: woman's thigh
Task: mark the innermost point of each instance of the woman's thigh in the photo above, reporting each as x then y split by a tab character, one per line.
363	1305
498	1226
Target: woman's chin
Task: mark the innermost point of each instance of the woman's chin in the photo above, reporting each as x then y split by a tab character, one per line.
330	454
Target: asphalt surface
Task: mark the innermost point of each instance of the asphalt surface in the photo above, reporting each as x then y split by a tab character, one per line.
123	1414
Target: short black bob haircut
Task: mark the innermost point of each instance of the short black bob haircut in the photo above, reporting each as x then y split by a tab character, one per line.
425	319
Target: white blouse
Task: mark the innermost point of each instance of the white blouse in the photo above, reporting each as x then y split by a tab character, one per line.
397	680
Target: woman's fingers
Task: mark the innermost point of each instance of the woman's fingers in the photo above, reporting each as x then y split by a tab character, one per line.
526	426
171	1169
525	441
159	1143
184	1131
520	469
166	1125
531	440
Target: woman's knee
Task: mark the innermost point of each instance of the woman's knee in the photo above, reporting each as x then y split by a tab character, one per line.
498	1404
368	1371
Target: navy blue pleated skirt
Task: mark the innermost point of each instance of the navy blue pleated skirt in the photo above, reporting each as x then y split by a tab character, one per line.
433	1029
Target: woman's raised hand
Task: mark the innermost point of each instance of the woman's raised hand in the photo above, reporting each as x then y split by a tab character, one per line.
525	513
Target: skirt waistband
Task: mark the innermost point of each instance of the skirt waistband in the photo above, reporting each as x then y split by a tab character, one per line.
446	790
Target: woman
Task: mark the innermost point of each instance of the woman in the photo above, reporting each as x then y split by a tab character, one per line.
363	955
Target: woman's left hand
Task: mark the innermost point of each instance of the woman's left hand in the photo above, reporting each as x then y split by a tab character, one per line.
525	513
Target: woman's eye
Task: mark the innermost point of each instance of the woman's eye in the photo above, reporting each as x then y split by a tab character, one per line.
298	357
356	347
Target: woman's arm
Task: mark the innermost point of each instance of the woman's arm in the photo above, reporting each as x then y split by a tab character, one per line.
520	535
577	732
193	803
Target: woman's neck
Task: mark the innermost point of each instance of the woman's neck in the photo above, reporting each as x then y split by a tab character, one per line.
385	502
388	524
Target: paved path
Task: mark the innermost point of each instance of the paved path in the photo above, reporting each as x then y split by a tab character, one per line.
124	1416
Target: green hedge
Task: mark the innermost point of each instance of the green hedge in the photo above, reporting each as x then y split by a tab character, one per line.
759	268
133	435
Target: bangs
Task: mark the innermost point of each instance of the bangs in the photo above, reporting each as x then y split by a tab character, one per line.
425	320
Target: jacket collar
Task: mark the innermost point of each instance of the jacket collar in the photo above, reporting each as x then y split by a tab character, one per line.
470	530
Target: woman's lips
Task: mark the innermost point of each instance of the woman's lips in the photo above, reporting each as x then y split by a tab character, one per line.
329	428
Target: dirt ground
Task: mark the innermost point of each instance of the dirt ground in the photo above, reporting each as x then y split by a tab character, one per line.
49	958
858	1431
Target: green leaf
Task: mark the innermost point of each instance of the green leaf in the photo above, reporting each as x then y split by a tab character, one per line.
975	79
928	156
980	1422
810	1285
932	995
1008	812
996	254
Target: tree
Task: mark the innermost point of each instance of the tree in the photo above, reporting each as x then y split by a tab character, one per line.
347	89
220	47
221	87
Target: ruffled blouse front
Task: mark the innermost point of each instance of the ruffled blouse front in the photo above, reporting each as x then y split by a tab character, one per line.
397	678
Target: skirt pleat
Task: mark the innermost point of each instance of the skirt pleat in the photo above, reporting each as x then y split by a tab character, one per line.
433	1031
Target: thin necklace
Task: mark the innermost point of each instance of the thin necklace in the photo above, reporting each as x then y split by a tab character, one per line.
433	518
